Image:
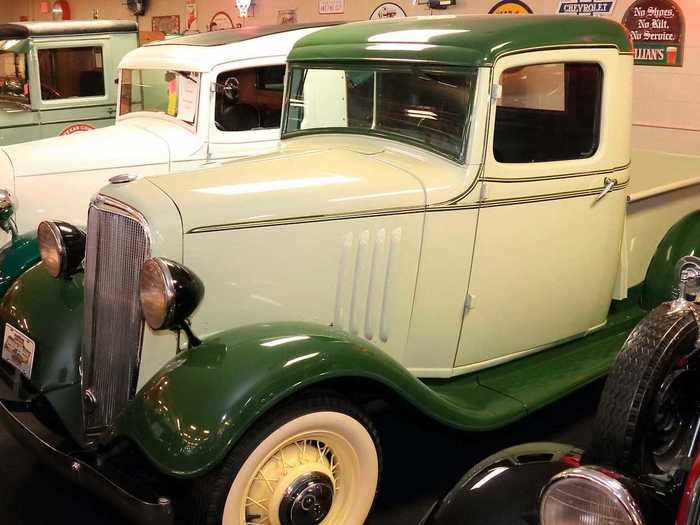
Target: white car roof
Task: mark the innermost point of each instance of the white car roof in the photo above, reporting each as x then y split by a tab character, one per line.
203	52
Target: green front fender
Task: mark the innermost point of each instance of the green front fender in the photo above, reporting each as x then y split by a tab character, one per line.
190	414
661	279
16	257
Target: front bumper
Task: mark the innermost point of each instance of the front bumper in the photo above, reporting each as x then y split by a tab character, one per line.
17	416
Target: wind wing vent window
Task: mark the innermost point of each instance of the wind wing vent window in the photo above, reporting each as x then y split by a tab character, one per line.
548	112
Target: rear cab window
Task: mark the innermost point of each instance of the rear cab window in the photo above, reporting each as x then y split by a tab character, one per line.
71	72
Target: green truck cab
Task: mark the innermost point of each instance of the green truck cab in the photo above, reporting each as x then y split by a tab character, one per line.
58	78
454	222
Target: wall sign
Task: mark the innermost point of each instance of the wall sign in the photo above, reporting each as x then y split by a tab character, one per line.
511	7
657	29
331	7
387	10
191	24
170	25
287	16
220	21
585	7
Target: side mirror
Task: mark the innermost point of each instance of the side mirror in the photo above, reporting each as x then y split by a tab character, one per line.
7	212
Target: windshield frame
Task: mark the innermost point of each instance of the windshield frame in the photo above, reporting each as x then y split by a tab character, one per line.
383	66
191	126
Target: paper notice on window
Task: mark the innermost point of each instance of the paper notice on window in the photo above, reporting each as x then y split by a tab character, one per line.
186	99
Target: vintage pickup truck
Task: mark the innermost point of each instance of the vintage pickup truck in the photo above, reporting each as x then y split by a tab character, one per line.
451	224
183	103
58	78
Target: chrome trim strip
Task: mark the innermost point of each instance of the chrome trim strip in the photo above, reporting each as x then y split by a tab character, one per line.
112	205
558	177
594	476
399	211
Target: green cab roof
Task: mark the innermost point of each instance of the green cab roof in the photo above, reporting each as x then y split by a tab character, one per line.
465	40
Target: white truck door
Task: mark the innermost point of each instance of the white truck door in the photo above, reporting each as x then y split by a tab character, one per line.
552	204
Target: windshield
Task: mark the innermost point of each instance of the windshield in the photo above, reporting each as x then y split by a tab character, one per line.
422	105
13	77
174	93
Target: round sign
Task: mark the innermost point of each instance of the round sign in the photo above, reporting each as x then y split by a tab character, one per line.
387	10
511	7
220	21
76	128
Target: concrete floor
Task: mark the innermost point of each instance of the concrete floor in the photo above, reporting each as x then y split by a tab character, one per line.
417	471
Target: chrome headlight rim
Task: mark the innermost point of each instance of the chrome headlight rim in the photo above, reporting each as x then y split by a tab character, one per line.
181	289
595	476
168	288
51	227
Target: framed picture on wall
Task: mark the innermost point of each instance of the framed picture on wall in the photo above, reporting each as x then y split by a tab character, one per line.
170	24
287	16
331	7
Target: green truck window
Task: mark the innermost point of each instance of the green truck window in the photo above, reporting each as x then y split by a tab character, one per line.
548	112
71	72
13	77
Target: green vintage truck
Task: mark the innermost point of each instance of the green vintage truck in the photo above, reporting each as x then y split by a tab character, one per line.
454	222
58	78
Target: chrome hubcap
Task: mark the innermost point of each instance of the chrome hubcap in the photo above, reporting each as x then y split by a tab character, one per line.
308	500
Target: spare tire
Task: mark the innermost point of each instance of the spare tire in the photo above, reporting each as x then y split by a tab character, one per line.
648	410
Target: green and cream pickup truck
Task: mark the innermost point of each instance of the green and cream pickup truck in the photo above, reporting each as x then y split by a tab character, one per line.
59	78
454	222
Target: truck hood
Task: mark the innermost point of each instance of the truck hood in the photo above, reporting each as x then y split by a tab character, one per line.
129	144
332	182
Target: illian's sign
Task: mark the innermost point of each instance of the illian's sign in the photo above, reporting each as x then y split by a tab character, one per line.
657	29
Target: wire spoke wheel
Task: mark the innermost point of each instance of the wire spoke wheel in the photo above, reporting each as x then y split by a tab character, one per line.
320	467
299	483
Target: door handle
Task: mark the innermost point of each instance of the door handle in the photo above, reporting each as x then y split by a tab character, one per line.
609	185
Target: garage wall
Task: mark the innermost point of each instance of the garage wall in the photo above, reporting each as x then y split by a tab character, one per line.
666	103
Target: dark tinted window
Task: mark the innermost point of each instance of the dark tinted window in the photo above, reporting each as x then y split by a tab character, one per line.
548	112
71	72
249	99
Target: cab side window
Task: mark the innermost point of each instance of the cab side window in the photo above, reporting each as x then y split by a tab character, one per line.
249	99
71	72
548	112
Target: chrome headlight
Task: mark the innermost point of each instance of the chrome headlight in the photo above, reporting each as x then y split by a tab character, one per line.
169	293
586	496
62	248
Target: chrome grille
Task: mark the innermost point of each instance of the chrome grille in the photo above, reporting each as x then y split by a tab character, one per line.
117	246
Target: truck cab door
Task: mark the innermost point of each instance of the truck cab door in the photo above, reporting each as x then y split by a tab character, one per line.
74	89
245	108
552	204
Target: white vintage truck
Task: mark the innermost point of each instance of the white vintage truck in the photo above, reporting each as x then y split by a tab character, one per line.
183	103
454	222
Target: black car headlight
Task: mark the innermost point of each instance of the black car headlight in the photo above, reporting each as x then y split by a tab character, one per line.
169	293
62	248
586	496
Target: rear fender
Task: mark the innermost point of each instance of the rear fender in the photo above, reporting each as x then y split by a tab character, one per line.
661	281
